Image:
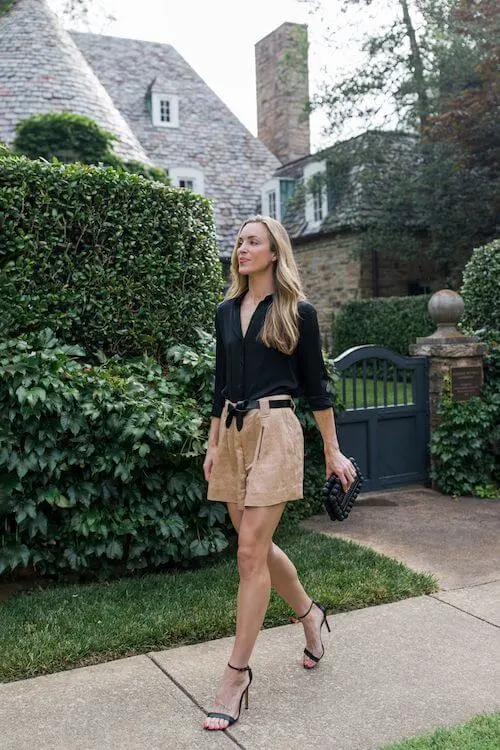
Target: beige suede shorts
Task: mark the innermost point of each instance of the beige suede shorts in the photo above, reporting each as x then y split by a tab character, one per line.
263	464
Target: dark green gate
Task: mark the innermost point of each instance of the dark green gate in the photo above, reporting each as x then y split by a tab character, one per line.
385	425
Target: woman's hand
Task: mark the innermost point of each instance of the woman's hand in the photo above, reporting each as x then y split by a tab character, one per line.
209	461
337	463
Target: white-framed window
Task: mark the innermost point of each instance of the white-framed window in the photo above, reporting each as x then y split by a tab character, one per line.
317	195
268	202
316	192
271	204
165	110
188	178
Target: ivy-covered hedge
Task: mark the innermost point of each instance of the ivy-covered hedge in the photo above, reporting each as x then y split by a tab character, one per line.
105	259
393	322
101	464
465	446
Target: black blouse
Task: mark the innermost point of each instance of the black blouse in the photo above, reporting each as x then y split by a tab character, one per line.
247	369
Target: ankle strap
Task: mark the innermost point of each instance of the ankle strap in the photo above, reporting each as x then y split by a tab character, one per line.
302	616
239	669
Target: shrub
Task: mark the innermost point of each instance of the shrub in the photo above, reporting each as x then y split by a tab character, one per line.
101	465
480	290
67	137
103	258
393	322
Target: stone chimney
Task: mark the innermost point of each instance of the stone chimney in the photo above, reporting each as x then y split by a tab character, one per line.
283	92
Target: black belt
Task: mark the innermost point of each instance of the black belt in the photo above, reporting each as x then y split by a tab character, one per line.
240	408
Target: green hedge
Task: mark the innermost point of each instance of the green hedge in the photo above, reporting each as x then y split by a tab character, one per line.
105	259
101	464
480	290
393	322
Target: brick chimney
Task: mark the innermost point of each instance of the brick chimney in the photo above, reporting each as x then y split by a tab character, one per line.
283	91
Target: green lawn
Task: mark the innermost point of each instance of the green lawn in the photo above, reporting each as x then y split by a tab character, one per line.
375	393
62	626
480	733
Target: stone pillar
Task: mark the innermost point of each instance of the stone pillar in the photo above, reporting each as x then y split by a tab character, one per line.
455	360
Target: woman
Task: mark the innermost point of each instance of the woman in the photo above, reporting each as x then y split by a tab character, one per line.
268	350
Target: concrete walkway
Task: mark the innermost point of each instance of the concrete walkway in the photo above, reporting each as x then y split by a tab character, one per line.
390	671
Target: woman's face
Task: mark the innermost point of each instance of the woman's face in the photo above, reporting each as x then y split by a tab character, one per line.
254	249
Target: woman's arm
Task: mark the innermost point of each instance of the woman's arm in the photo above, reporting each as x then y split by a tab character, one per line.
335	461
213	439
315	383
218	399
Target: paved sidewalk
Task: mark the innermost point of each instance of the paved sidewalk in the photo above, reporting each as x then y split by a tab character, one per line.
389	672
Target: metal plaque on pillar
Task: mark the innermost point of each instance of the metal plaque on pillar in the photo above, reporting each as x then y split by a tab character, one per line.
466	382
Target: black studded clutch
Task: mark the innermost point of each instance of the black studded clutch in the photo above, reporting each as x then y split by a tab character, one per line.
338	504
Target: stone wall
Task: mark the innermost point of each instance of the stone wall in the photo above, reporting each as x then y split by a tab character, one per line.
332	274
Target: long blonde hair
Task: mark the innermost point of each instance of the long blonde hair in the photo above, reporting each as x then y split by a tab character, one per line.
281	327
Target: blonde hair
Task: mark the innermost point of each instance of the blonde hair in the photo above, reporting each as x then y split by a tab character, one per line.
281	327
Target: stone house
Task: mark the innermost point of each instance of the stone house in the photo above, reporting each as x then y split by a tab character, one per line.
325	206
157	106
163	113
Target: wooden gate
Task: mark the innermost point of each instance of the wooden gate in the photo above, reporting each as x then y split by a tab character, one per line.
385	425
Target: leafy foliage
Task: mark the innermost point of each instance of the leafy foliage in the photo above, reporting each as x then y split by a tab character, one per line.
105	259
101	464
426	203
481	286
69	137
393	322
465	446
468	115
5	6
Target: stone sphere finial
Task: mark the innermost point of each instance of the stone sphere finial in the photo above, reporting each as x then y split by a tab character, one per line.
446	307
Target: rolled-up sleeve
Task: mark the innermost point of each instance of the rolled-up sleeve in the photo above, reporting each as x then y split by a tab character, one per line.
313	374
220	369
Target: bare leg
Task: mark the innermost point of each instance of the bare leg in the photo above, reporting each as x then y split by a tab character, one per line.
286	583
256	529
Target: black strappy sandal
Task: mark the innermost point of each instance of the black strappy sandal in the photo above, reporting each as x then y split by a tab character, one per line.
233	719
324	621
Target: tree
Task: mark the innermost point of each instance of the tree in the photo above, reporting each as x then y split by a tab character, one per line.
400	63
424	60
470	120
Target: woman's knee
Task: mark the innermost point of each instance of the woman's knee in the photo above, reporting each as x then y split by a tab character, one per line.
252	557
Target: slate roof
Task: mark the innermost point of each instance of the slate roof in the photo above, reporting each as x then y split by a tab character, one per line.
42	70
210	137
356	205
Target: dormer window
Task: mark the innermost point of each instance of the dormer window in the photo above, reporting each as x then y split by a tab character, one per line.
165	110
188	178
275	196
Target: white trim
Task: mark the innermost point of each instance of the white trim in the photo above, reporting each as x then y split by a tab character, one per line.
160	102
315	213
271	186
177	174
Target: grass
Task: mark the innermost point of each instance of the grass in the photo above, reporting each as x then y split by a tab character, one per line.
63	626
480	733
393	399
